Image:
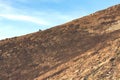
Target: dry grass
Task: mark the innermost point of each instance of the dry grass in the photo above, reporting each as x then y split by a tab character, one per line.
64	51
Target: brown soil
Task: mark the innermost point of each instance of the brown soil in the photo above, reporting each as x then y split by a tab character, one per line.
87	48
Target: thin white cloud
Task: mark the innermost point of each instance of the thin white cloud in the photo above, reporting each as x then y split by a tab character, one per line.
8	11
46	18
12	13
24	18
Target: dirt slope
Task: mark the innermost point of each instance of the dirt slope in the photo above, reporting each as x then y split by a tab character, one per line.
87	48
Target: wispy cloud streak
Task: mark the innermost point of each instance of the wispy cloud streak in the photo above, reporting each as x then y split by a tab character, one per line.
24	18
13	13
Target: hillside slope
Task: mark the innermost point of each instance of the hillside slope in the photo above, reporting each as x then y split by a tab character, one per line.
84	49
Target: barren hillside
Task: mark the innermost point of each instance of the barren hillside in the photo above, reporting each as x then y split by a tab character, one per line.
87	48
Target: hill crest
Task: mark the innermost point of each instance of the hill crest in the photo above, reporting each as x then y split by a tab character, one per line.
83	49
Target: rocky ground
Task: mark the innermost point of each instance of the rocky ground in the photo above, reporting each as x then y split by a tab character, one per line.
87	48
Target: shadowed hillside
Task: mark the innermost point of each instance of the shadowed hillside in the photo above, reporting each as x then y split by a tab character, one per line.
87	48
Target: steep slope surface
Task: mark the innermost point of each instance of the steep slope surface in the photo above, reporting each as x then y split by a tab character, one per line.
85	48
102	62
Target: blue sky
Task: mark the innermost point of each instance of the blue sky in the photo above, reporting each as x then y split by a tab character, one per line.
19	17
